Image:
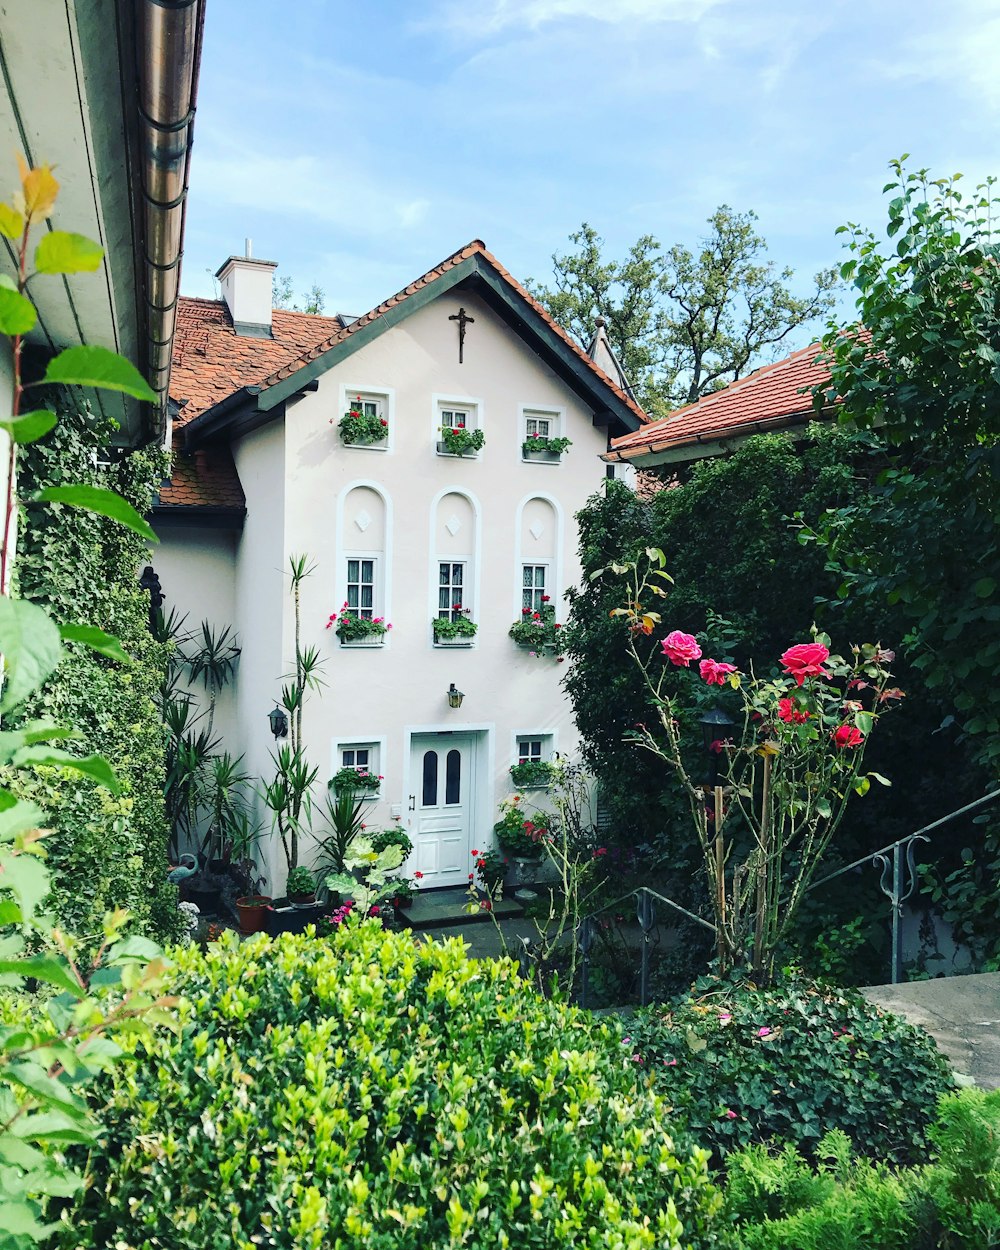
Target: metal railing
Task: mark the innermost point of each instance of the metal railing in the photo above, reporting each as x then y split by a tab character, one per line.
897	882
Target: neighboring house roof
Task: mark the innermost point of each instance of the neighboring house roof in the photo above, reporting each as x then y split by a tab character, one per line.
601	353
250	378
772	397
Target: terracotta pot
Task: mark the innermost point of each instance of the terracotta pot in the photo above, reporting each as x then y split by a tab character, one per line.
252	912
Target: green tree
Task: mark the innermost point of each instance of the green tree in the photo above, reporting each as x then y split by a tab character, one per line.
313	301
921	382
683	323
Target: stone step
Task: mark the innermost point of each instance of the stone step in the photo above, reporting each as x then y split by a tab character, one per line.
435	909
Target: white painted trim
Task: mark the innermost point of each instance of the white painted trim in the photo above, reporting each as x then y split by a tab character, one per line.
473	557
551	734
383	558
388	393
556	561
379	741
438	402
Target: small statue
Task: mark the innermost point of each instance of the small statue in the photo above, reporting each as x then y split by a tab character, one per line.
183	870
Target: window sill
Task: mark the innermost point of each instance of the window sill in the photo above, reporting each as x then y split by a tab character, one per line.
455	642
363	644
381	445
457	455
541	457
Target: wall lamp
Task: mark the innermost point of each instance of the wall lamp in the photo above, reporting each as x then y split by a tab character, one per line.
455	696
279	723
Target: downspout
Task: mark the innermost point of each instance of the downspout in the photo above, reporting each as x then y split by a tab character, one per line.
169	53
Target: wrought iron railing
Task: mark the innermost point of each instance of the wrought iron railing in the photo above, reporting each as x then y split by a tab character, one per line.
897	882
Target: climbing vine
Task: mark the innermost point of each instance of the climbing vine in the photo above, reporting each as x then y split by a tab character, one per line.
111	849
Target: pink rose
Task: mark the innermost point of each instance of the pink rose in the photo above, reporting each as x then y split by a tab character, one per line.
847	736
713	673
806	660
680	649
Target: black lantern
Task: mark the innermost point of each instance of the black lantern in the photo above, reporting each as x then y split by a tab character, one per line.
716	727
279	722
455	696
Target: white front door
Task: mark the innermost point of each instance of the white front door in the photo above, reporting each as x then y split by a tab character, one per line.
441	803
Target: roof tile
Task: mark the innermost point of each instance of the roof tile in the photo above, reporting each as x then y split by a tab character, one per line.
205	479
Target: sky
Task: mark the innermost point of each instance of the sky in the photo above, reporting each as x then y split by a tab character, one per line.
358	145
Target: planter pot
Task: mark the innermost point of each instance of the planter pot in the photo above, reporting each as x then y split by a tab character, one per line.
207	901
283	916
252	912
525	871
543	457
461	641
303	900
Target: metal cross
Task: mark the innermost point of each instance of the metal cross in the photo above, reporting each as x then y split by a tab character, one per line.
463	319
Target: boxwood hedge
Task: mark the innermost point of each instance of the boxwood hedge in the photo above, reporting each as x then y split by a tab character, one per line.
375	1091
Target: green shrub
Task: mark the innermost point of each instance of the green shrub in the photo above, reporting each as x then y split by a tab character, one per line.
372	1091
742	1065
394	836
779	1202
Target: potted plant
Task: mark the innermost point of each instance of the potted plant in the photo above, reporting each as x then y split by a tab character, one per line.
491	869
204	889
532	774
301	886
460	441
520	837
539	632
252	912
357	426
392	837
549	448
350	627
456	629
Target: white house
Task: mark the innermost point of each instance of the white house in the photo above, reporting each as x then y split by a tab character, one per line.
399	529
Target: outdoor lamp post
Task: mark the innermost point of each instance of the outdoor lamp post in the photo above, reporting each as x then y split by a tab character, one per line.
455	696
279	723
716	726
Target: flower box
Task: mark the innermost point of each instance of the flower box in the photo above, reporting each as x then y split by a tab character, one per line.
355	630
537	447
539	632
460	442
458	632
362	429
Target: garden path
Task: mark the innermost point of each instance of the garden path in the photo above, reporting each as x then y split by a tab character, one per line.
962	1014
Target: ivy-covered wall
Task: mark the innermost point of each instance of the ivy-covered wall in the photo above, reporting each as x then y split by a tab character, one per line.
105	851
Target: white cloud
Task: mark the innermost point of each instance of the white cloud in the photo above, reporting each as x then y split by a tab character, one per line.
962	51
491	16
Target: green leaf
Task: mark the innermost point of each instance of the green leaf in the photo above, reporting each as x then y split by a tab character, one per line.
97	640
96	767
104	502
19	818
11	222
45	968
883	781
61	252
29	427
985	587
96	366
17	313
30	645
824	809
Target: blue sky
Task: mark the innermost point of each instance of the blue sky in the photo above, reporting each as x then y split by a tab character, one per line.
360	144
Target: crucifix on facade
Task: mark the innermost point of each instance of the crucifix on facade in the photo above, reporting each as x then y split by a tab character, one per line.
463	319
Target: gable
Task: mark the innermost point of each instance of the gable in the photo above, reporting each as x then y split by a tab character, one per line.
251	399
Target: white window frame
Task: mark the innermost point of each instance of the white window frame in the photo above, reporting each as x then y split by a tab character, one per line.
361	583
382	395
556	418
448	613
374	744
473	409
546	567
379	560
547	737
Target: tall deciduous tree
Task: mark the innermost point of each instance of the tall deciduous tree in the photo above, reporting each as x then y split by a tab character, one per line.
683	323
922	379
313	301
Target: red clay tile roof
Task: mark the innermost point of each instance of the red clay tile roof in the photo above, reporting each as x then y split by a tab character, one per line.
770	394
212	361
205	479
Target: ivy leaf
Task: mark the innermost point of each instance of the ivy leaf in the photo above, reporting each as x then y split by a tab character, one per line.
97	366
62	252
30	645
97	640
96	767
17	312
104	502
29	427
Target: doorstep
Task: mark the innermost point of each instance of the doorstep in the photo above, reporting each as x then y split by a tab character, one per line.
435	909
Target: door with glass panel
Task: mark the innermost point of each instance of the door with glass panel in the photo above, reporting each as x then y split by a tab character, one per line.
441	803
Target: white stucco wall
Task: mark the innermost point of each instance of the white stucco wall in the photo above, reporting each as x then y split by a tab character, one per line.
380	695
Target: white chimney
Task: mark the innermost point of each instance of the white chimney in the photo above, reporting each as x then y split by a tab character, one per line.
247	290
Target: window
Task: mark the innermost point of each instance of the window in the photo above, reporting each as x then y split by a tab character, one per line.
361	588
451	590
369	405
456	418
533	586
538	426
358	758
529	750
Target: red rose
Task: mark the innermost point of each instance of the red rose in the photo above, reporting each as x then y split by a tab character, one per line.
713	673
788	712
806	660
847	736
680	649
